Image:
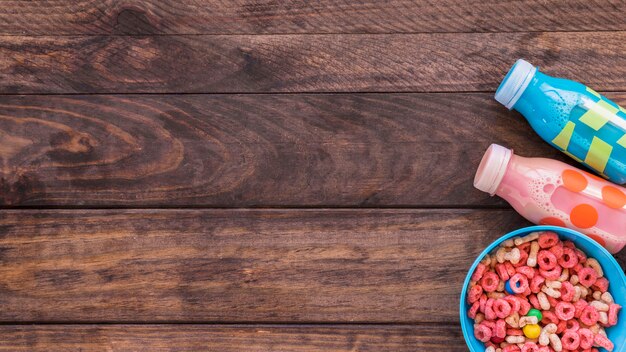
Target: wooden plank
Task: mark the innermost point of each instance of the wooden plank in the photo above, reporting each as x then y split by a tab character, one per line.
364	150
302	63
357	266
298	16
338	338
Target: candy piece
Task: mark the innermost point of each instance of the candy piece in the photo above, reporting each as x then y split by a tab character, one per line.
570	340
589	316
530	347
587	276
543	301
613	310
497	340
532	331
604	342
595	265
546	260
552	274
536	282
473	310
502	272
586	338
567	291
565	310
569	259
507	288
532	255
535	313
478	273
555	343
482	332
489	282
548	239
502	308
474	293
500	254
500	329
490	324
550	318
519	283
572	325
601	284
577	268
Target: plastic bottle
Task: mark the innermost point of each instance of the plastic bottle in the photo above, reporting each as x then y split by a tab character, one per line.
550	192
572	117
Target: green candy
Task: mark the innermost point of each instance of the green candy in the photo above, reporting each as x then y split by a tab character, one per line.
534	313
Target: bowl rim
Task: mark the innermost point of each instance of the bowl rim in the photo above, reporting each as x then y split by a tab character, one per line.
464	328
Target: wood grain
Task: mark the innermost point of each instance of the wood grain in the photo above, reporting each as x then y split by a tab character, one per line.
357	266
302	63
70	17
321	150
155	338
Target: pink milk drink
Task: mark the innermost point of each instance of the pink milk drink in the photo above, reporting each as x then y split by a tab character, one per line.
549	192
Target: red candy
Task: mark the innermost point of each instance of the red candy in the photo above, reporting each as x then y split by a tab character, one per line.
589	316
567	291
570	340
587	277
518	283
502	308
565	310
569	259
546	260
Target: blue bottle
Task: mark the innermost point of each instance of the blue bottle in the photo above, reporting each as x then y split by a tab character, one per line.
571	117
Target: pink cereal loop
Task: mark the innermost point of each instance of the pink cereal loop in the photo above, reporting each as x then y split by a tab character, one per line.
518	283
557	249
613	310
561	327
601	284
603	342
530	347
564	310
569	259
589	316
500	329
548	239
586	338
474	293
514	332
473	310
587	277
502	272
482	333
490	314
511	348
546	260
514	302
489	282
536	283
478	273
567	291
502	308
534	301
523	259
579	305
549	318
510	269
524	306
527	271
572	325
552	274
483	302
570	340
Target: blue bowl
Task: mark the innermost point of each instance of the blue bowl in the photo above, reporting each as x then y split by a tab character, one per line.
612	271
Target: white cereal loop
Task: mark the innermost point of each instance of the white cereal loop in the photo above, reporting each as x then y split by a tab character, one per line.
595	328
479	318
574	280
530	237
553	284
596	295
600	306
601	331
577	293
513	256
564	275
544	336
555	342
550	292
513	320
607	298
500	286
515	339
486	260
508	243
543	301
593	264
523	321
490	349
532	256
604	318
500	255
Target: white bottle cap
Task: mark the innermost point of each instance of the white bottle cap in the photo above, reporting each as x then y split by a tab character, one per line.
515	83
492	168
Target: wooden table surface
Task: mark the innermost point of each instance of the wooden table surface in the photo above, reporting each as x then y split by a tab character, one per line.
263	175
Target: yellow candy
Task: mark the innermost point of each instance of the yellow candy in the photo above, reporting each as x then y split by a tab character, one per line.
532	331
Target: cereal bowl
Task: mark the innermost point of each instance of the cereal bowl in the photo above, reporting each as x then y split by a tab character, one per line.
612	271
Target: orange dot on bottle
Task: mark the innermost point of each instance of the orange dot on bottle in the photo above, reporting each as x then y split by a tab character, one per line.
613	197
584	216
597	238
574	180
552	221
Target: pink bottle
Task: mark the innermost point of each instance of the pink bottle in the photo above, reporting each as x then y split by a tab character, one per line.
549	192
